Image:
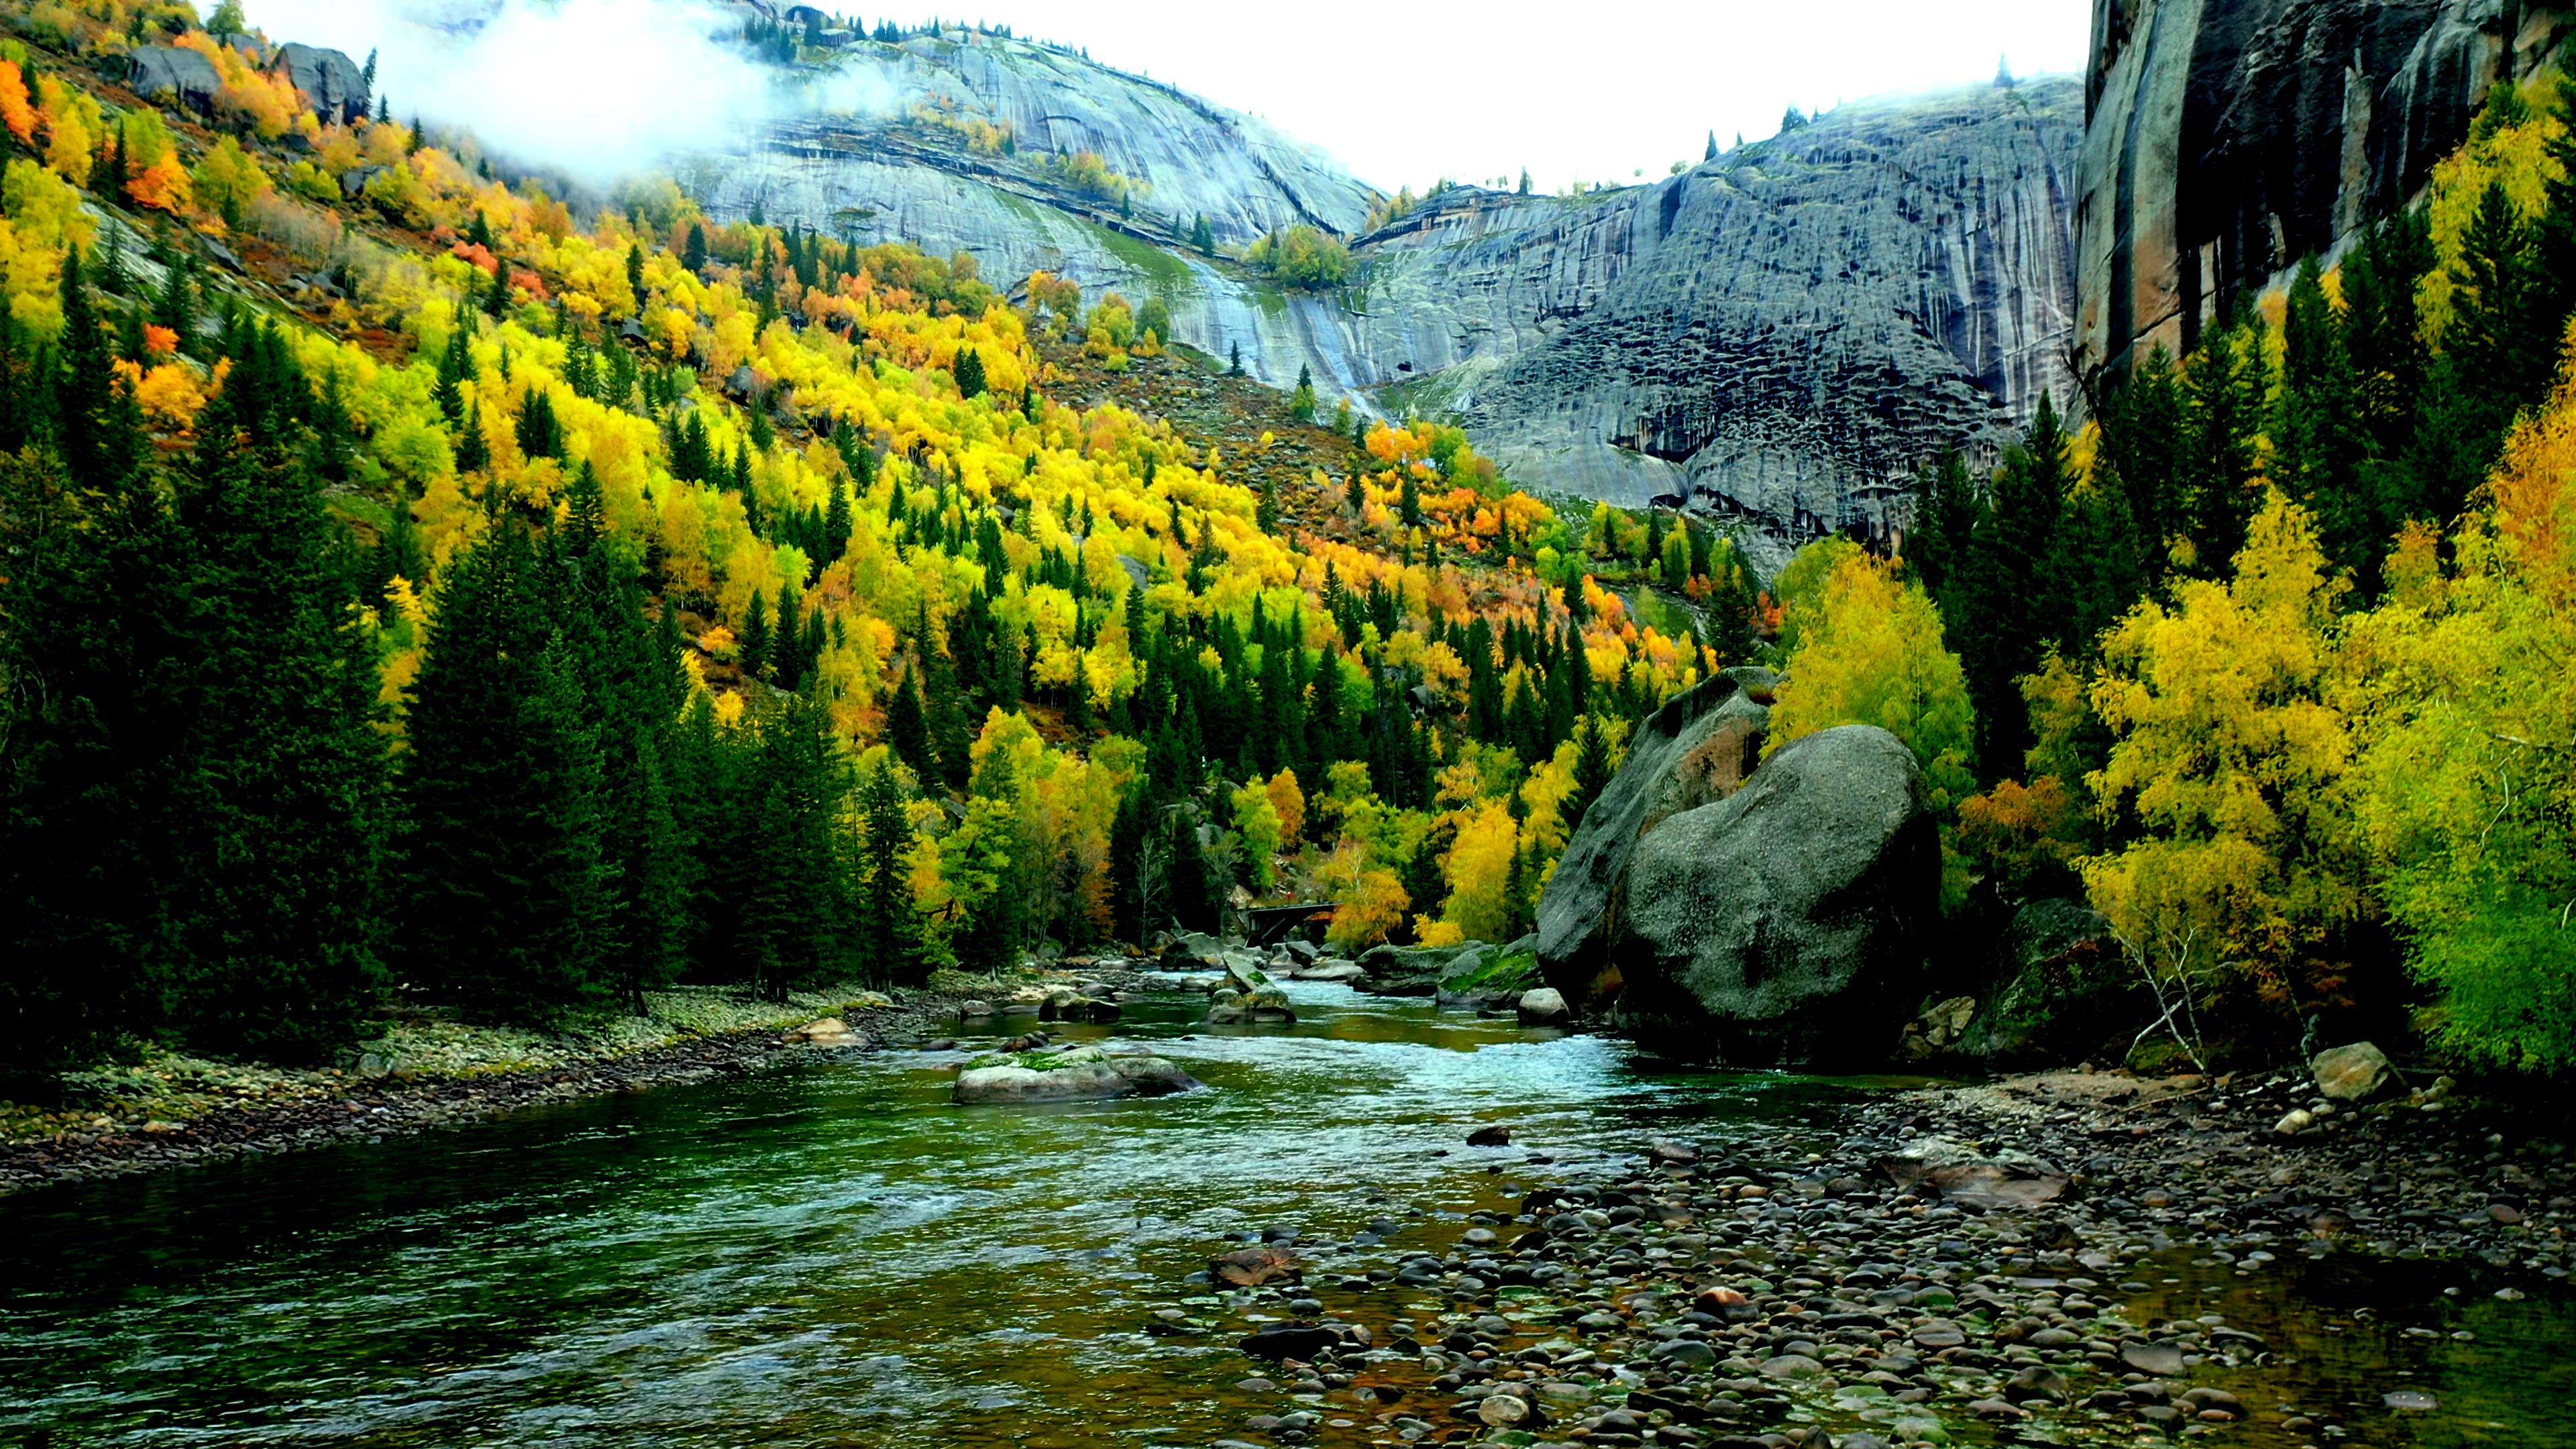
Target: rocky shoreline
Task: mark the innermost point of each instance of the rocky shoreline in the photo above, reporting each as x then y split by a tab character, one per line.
373	1107
1974	1262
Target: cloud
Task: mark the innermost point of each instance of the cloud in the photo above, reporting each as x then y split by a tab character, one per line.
599	90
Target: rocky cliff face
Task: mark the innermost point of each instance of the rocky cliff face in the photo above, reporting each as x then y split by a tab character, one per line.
2227	139
1780	334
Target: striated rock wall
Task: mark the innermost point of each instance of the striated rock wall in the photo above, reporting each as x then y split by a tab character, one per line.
2227	139
1780	334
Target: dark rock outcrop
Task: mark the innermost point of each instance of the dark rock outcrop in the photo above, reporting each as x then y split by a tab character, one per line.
2227	139
1785	924
183	77
2058	991
1694	750
331	83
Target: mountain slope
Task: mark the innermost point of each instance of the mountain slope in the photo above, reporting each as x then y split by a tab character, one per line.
1782	333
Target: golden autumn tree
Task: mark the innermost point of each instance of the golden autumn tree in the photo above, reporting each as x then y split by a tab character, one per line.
1869	651
2235	766
2464	691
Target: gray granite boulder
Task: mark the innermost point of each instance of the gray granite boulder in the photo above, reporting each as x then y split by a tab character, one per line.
1785	924
1698	748
331	83
170	75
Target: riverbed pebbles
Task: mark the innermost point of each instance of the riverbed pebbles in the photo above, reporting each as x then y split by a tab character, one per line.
1790	1294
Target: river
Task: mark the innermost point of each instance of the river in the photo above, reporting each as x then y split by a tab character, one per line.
832	1254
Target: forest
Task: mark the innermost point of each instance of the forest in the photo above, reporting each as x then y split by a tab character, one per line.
548	607
555	611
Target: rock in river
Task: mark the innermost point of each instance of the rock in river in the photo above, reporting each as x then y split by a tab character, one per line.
1543	1007
1783	924
2354	1073
1085	1074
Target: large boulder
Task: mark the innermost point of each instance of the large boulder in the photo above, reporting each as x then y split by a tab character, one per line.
1699	748
1784	924
331	83
1084	1074
169	74
2354	1073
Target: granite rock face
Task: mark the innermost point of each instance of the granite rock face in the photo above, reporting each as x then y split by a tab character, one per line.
1780	334
181	76
2228	139
332	84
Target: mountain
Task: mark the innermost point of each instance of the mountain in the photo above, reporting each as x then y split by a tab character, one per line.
2227	139
1782	333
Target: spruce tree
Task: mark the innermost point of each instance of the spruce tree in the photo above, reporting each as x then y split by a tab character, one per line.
889	938
507	885
97	663
283	796
2015	594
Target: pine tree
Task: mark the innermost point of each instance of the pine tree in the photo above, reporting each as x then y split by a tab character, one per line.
889	938
2317	449
2015	597
694	257
634	684
1265	514
507	886
752	650
283	791
970	372
96	661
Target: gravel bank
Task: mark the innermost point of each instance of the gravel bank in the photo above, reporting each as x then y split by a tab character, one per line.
1962	1264
447	1078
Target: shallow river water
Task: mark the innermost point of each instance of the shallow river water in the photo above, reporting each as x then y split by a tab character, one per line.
832	1254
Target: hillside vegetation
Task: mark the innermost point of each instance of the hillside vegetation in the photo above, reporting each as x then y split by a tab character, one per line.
2270	661
420	585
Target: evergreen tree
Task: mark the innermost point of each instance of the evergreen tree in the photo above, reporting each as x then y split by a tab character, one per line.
507	885
96	663
282	802
2494	359
889	941
694	257
473	453
970	372
752	650
908	728
2015	596
2316	447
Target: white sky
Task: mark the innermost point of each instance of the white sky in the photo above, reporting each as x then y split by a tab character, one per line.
1404	92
